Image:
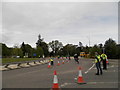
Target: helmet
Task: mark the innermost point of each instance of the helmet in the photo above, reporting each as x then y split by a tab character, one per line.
75	54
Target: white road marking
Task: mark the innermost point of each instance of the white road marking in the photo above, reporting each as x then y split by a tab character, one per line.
65	84
75	78
112	66
89	69
112	71
100	82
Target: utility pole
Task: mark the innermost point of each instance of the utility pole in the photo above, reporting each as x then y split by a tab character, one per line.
103	50
89	39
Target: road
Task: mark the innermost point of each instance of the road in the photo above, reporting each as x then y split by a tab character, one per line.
42	77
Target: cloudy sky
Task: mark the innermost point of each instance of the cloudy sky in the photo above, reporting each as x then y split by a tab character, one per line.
68	22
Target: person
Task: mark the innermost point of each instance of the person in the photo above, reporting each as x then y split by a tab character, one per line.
98	63
69	57
51	61
58	57
104	59
66	57
76	58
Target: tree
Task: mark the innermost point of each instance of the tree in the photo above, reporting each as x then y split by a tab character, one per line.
39	51
110	48
34	52
17	52
23	48
86	49
118	51
40	40
27	50
80	47
80	44
69	49
5	50
94	49
100	45
55	46
43	45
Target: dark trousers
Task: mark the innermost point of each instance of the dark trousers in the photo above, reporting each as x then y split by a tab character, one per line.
104	64
76	59
52	63
69	58
99	69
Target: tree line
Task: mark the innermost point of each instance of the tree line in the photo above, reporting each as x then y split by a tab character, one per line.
56	48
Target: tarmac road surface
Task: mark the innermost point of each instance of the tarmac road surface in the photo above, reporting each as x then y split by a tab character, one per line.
41	76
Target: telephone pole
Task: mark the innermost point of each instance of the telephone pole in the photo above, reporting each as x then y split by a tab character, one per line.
88	39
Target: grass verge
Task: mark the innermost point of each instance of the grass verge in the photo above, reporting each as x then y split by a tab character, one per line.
10	60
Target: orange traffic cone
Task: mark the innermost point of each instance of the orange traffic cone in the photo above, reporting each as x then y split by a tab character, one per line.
49	65
107	61
58	63
80	78
55	82
63	62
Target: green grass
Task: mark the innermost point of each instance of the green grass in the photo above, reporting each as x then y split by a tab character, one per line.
9	60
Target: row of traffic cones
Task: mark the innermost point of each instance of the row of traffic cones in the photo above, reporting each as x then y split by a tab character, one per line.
55	80
58	64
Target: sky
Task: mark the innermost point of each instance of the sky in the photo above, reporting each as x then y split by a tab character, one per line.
68	22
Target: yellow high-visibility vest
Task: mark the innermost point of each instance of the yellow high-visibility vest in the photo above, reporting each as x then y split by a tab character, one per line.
104	56
99	59
51	59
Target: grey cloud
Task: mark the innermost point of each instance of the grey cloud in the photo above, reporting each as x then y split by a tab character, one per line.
68	22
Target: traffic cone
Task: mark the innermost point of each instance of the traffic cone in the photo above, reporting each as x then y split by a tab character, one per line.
80	78
67	61
63	62
49	65
55	82
107	61
58	63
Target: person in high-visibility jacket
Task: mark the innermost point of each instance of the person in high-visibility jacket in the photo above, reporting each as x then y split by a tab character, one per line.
104	58
51	61
98	63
